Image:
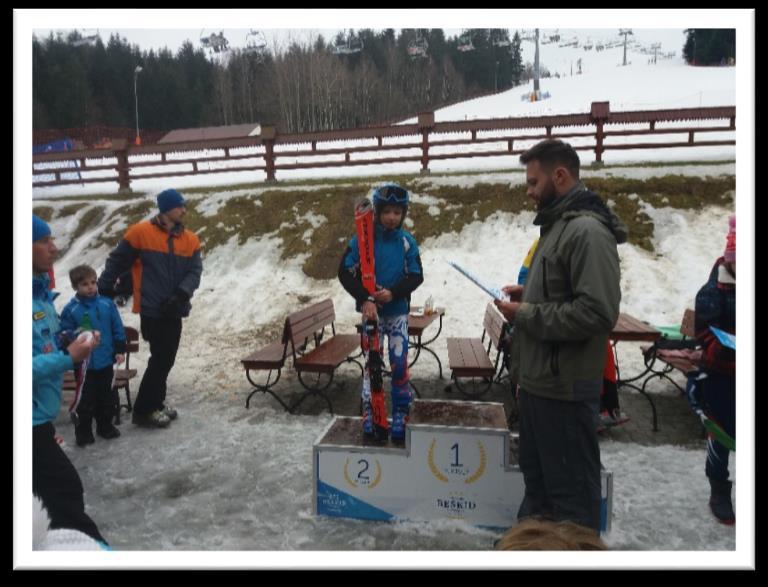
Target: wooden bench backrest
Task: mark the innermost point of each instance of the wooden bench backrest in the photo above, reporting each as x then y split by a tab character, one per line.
688	325
131	339
493	324
305	323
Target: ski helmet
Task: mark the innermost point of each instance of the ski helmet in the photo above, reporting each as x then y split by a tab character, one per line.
388	194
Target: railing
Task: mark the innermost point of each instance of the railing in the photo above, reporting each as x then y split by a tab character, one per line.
424	134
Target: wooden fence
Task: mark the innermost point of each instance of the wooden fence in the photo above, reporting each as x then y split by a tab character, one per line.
423	136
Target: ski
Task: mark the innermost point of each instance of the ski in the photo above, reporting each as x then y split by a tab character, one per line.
712	427
370	342
717	432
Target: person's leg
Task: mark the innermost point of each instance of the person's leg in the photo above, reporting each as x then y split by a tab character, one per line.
105	405
569	456
163	337
609	397
86	408
402	396
535	501
719	395
56	482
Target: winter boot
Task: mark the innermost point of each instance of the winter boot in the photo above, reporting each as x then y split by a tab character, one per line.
370	435
107	430
84	432
720	501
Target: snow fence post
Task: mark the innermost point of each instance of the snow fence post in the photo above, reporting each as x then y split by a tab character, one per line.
120	147
426	123
600	112
268	134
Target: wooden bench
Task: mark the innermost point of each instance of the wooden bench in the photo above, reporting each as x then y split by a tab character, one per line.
680	355
122	377
674	355
468	358
307	328
269	358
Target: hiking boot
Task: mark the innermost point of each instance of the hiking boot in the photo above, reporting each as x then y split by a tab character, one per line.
84	436
156	419
720	501
108	431
170	412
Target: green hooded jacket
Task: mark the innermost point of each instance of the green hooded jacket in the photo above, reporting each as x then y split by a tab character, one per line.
571	299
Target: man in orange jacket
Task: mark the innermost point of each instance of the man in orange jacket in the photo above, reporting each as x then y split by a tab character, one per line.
166	268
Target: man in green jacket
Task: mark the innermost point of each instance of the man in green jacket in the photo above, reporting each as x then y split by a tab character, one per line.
562	319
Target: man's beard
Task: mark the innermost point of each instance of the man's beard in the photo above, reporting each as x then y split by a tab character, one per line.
547	197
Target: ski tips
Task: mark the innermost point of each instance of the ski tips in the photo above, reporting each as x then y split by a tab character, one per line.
363	205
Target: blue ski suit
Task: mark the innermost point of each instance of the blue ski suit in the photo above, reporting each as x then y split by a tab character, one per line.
398	269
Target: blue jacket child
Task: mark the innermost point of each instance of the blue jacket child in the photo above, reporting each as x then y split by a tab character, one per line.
90	311
398	270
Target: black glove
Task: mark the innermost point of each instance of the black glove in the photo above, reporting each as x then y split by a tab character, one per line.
107	292
173	306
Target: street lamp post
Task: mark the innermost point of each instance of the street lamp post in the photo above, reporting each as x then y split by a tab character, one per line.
136	97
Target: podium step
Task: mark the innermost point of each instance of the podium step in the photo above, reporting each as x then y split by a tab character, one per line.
459	462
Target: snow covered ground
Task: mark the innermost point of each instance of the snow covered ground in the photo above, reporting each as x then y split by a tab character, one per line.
223	478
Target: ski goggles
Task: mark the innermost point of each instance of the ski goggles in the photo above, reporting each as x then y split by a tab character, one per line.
391	194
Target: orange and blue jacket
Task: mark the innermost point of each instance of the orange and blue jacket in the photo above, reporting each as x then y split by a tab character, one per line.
161	262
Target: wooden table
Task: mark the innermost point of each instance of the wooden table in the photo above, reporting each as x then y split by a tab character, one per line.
629	328
417	323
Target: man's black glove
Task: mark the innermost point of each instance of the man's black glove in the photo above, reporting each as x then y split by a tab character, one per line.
173	306
107	292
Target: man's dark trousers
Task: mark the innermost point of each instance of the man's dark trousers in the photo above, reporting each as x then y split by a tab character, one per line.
163	336
560	460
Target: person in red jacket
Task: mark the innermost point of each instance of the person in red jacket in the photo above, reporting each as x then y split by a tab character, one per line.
166	267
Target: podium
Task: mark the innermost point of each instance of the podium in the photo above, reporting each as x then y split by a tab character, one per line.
458	463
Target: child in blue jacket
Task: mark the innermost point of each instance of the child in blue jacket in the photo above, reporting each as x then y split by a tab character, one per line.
90	311
398	273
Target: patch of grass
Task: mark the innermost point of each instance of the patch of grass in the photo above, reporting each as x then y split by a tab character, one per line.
286	213
129	215
673	191
89	220
71	210
44	212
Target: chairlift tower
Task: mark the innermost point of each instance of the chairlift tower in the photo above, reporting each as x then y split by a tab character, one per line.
624	33
536	65
655	48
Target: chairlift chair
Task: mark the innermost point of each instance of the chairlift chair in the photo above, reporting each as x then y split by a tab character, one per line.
352	45
500	40
255	43
87	37
217	43
417	48
465	42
